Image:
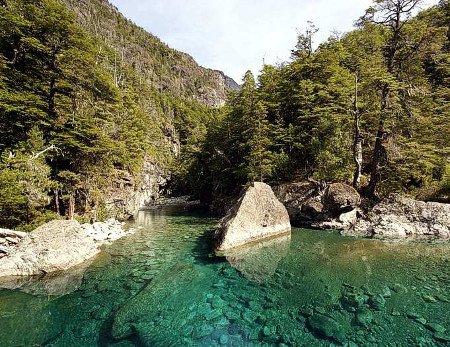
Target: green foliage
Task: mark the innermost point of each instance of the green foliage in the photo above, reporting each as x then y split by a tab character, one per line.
297	121
90	105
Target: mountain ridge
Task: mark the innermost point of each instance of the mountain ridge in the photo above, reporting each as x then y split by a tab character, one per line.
176	72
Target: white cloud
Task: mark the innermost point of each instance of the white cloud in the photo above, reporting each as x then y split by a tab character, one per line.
236	35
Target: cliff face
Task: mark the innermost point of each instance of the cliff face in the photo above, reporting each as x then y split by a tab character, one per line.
166	69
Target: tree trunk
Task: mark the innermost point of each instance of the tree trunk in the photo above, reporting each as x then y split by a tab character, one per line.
378	148
357	144
56	195
71	207
51	98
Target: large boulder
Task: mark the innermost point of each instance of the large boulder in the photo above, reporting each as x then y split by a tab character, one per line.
302	200
316	204
55	246
398	216
340	198
256	215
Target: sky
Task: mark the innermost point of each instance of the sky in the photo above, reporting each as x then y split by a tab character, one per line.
239	35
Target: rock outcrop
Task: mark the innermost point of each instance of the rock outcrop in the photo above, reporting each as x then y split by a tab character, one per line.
127	195
340	198
9	239
316	204
256	215
398	217
104	231
55	246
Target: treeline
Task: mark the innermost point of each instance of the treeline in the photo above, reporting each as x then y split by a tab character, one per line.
371	108
72	119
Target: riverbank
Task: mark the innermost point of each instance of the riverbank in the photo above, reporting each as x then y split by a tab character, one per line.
55	246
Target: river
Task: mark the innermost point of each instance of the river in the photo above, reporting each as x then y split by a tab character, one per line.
162	287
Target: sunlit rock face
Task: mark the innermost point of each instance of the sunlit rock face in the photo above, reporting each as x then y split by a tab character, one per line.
399	217
260	260
55	246
256	215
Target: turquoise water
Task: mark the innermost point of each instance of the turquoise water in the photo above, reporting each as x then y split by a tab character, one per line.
162	287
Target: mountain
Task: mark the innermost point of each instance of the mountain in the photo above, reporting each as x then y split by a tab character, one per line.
167	69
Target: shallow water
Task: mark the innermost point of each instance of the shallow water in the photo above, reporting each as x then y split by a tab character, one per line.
161	287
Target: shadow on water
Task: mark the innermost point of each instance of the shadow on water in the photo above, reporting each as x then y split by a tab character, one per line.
204	253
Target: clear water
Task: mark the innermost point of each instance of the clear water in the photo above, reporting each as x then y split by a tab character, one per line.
161	287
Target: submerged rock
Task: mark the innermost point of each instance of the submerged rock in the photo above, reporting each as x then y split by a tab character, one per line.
398	216
55	246
436	327
298	198
326	327
257	215
377	302
364	317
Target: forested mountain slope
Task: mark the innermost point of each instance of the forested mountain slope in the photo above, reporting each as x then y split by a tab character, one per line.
155	63
92	109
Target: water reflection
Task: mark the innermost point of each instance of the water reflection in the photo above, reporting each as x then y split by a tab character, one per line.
57	284
258	261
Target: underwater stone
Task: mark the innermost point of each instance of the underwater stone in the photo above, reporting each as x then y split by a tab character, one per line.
377	302
398	288
249	316
269	330
327	327
442	298
413	315
306	311
223	340
421	320
442	337
320	309
231	314
202	331
352	301
221	322
209	297
428	298
213	314
218	303
386	292
363	317
436	327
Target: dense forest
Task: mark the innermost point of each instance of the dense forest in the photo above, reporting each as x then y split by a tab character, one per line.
370	107
86	96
